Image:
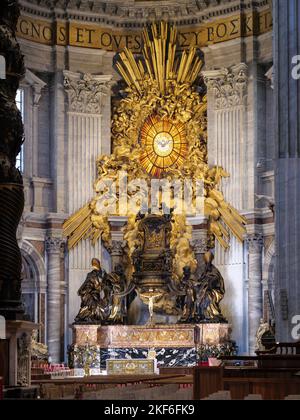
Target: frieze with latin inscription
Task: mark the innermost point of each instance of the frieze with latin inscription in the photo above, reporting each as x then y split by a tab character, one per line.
111	39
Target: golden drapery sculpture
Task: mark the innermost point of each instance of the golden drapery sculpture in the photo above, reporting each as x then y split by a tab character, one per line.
162	100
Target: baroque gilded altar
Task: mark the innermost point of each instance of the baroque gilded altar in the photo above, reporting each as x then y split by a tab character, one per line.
174	345
159	293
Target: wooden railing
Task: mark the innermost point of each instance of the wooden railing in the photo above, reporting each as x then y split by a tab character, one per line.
283	349
273	377
288	348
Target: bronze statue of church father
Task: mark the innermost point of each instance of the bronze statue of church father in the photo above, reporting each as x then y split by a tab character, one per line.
104	297
168	315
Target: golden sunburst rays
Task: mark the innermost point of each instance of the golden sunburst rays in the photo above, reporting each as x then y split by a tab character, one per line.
159	60
160	128
164	144
77	226
223	219
86	224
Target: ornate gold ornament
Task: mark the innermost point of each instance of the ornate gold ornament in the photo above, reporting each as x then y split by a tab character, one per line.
159	130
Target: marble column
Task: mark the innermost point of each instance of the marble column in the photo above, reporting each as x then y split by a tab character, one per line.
116	253
54	316
199	246
287	162
87	96
255	297
227	90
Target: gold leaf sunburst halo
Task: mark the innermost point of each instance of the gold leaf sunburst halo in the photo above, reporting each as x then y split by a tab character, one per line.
164	144
159	129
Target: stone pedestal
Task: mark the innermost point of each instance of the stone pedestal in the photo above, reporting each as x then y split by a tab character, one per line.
175	345
17	353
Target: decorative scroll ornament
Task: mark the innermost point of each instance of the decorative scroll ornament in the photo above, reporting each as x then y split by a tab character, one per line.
162	100
200	245
228	85
85	92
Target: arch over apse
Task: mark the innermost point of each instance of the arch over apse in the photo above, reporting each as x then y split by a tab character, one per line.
33	282
36	262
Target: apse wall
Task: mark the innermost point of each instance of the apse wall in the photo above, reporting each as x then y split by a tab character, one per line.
63	140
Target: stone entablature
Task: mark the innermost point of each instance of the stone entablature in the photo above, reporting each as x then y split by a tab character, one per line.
133	13
111	27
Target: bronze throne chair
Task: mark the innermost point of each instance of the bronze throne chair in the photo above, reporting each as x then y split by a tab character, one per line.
153	260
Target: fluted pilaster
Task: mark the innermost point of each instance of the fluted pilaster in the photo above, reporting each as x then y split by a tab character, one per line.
255	297
87	97
287	175
227	90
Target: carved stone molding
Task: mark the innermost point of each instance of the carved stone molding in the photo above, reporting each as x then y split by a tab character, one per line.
270	75
85	92
21	227
54	245
23	373
133	13
116	248
36	84
255	243
229	86
200	245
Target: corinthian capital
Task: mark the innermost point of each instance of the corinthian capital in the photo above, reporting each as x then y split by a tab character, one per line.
200	245
116	248
54	244
255	243
229	85
85	91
